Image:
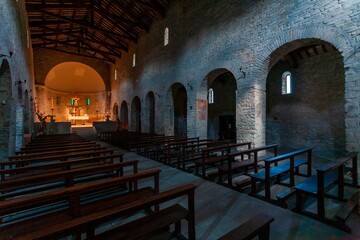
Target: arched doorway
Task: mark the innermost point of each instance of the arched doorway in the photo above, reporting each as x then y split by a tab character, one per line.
124	119
115	111
221	105
6	101
175	110
180	111
305	97
150	112
136	114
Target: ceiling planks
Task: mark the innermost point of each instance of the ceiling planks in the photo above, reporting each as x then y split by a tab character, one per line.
100	29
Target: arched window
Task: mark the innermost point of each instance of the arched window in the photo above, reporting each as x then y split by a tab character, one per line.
134	60
211	96
286	83
115	74
166	36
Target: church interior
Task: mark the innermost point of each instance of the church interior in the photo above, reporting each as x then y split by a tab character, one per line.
179	119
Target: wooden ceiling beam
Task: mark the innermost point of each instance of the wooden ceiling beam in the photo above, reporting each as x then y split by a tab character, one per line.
92	39
86	25
127	12
105	16
153	6
77	54
89	48
46	7
119	18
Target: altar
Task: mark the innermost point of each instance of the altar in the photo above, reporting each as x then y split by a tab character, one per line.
73	119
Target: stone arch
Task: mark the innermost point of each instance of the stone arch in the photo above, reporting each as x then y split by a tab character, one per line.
208	115
136	114
314	110
255	84
43	55
149	113
6	106
73	88
175	117
124	118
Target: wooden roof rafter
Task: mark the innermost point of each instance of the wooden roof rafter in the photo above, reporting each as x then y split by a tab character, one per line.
107	27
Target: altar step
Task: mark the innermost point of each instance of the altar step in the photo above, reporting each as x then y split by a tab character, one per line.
85	131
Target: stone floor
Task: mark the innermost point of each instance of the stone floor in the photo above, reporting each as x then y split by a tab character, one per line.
219	209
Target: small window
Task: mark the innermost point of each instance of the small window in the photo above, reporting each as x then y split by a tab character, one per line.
134	60
115	74
211	96
166	36
286	83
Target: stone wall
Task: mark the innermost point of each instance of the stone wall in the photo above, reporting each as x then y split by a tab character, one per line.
231	34
16	76
313	114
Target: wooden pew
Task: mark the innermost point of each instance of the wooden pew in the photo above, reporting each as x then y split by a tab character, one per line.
328	176
53	153
193	152
41	182
58	165
60	157
147	226
34	149
217	155
58	206
289	164
259	225
245	164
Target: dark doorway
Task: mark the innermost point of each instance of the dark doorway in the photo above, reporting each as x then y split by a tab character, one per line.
227	129
180	112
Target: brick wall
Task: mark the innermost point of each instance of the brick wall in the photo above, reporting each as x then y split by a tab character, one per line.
254	35
313	114
15	69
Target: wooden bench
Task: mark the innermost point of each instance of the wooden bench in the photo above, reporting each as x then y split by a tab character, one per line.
58	206
217	155
147	226
47	159
259	225
52	153
34	149
37	183
58	165
289	164
251	162
328	176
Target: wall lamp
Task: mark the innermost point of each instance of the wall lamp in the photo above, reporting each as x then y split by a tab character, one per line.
19	82
4	52
191	87
242	74
8	56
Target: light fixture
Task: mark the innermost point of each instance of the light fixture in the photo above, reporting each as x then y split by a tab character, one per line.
4	52
191	88
242	74
19	82
8	56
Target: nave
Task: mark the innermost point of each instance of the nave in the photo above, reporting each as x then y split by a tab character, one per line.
219	209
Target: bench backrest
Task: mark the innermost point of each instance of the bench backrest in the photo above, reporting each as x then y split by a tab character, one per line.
19	186
66	165
91	220
56	157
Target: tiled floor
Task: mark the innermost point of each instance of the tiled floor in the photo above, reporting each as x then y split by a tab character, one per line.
219	209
